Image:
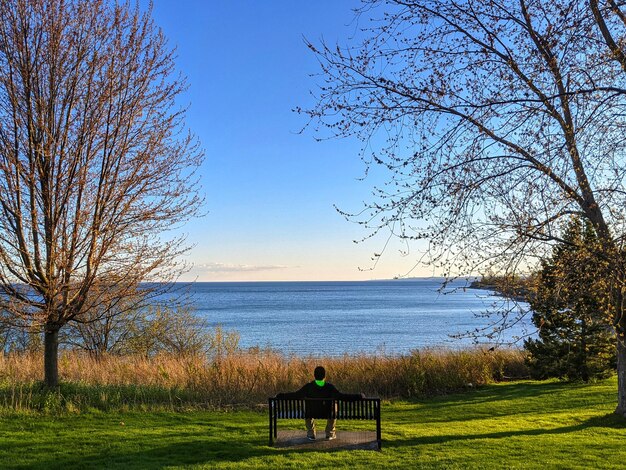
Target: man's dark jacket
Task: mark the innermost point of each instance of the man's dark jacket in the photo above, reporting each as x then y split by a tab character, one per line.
319	408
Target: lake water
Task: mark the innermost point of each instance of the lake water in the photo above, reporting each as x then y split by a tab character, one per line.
333	318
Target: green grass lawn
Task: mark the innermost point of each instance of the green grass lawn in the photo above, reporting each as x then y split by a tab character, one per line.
516	425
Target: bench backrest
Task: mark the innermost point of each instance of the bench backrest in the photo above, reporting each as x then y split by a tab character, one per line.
295	408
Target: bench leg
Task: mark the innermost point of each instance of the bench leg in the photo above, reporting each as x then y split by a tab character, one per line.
271	423
271	433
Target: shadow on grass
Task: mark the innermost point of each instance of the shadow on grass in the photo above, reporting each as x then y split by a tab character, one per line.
192	451
608	421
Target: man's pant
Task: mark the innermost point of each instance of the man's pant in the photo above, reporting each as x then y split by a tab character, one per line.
330	427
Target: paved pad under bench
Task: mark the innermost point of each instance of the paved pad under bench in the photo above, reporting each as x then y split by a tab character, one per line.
345	440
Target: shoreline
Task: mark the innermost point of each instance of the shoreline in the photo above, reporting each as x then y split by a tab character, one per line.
520	293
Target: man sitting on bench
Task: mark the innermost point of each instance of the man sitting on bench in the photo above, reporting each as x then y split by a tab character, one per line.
319	388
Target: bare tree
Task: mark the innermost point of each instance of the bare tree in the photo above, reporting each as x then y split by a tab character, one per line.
95	161
497	121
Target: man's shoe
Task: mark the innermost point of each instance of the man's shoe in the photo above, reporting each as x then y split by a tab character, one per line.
310	438
331	437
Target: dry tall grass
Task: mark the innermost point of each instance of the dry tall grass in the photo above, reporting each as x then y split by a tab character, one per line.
242	378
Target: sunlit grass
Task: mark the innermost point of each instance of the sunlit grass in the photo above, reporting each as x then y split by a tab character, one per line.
510	425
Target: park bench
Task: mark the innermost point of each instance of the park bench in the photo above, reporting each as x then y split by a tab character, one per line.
296	408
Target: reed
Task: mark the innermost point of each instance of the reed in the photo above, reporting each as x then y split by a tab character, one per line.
169	382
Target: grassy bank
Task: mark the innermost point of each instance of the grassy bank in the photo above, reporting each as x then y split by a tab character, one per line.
508	425
240	379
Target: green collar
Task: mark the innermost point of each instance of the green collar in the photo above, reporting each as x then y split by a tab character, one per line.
320	383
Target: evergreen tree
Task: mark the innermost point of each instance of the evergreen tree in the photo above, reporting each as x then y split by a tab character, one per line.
572	311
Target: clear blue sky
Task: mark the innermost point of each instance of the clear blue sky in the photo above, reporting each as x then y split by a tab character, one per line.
269	190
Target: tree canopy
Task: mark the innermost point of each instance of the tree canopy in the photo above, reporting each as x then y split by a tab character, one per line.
497	122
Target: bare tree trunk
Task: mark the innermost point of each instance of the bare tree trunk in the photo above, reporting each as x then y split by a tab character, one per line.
584	360
51	356
621	378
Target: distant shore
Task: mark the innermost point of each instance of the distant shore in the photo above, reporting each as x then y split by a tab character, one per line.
515	291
